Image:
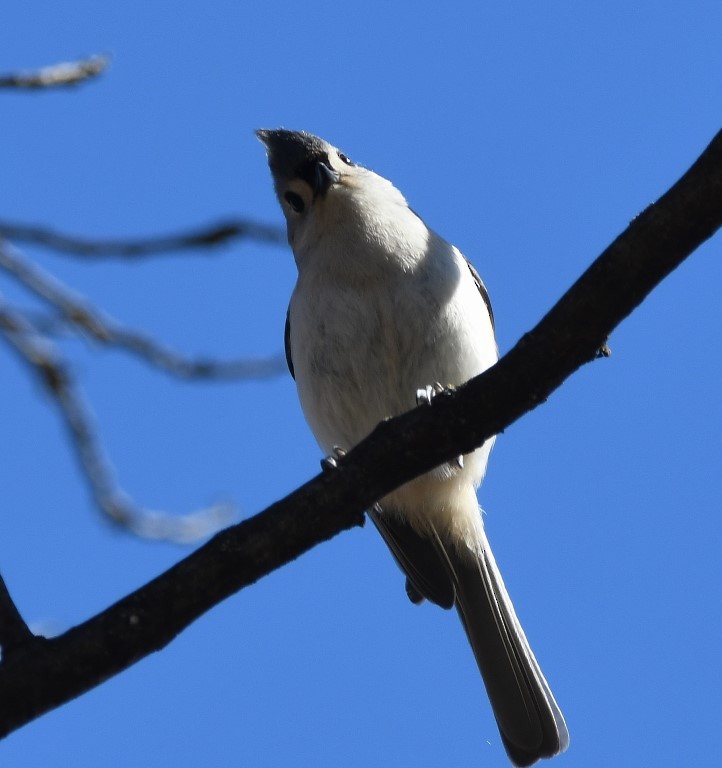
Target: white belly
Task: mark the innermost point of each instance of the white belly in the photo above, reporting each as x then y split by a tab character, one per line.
362	349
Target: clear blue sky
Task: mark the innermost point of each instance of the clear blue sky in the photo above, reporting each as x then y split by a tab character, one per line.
529	134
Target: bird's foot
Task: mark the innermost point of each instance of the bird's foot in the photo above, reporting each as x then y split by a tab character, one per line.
428	393
329	463
603	351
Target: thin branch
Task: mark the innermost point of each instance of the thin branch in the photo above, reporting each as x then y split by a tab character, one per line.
14	632
67	73
205	237
656	242
44	360
82	315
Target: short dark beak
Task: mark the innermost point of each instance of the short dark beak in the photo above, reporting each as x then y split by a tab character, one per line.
323	178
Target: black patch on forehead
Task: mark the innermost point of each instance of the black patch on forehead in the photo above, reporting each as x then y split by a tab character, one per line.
293	154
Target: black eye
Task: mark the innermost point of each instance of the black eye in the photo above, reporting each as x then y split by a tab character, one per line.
295	201
343	158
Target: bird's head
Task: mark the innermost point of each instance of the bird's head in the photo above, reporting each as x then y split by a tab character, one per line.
323	194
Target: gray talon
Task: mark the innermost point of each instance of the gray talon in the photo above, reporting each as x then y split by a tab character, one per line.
332	462
428	393
328	463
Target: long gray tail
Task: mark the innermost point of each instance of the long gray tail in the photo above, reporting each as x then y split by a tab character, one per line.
529	719
530	722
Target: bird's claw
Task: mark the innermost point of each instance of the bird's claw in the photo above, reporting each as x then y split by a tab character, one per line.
603	351
425	395
331	462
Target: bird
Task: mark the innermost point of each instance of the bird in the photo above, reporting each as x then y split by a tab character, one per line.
385	313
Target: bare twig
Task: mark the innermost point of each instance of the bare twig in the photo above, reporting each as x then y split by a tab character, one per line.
93	323
43	358
207	236
65	74
656	242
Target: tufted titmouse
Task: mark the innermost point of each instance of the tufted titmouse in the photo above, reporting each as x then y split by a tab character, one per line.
383	310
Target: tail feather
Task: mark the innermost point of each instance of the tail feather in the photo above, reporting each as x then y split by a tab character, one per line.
530	722
529	719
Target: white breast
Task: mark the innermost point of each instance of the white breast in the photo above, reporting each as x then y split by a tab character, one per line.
368	329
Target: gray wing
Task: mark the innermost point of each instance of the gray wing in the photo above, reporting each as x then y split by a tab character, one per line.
482	290
287	342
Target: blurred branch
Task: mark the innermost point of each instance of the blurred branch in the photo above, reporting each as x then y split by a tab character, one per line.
655	243
65	74
90	321
207	236
44	360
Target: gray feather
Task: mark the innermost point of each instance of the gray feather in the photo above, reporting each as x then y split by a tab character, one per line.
426	568
529	719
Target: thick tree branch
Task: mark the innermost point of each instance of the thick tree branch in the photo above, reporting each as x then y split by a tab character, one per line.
14	632
37	679
205	237
56	75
